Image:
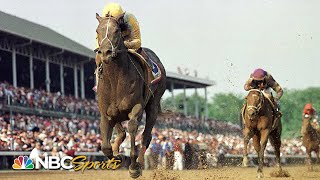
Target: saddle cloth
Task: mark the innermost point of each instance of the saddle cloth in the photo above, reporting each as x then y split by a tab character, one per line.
153	71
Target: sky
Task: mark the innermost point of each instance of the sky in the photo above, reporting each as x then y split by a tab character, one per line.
223	40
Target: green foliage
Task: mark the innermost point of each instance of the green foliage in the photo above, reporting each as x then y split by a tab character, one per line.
226	107
190	102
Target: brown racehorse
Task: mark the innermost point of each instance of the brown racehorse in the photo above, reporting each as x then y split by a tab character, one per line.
310	139
123	93
258	119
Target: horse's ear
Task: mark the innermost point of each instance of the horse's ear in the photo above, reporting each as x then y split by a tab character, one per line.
120	17
98	17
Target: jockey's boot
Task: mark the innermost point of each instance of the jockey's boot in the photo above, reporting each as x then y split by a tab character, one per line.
277	115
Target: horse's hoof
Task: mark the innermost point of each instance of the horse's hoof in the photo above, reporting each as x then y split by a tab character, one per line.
245	162
136	171
141	161
260	175
120	158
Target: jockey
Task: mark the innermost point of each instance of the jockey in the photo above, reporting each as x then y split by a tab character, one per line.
131	34
262	80
309	111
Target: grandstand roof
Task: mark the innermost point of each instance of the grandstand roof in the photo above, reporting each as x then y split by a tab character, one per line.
41	34
184	81
24	28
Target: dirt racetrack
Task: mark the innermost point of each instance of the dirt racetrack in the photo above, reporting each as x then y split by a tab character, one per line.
296	172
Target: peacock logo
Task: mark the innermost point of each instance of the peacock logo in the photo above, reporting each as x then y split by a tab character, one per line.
23	162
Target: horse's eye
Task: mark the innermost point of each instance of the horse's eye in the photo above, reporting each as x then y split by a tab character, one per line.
98	51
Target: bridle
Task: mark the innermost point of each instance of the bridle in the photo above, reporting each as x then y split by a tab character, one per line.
259	106
114	48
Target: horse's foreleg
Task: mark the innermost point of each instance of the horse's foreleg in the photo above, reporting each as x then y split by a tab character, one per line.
309	160
121	135
263	142
134	168
106	127
247	134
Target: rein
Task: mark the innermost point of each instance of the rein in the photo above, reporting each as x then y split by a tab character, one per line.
257	108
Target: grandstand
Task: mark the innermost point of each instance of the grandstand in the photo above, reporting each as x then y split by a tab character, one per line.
37	57
45	83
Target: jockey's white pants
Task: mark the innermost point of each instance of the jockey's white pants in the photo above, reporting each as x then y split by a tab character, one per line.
178	161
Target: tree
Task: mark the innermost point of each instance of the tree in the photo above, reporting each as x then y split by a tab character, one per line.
190	101
226	107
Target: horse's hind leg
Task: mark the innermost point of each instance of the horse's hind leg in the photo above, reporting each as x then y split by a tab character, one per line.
151	116
275	141
134	168
318	158
106	127
121	135
247	136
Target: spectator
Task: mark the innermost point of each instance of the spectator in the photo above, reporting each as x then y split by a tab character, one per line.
36	153
166	152
155	152
188	154
178	155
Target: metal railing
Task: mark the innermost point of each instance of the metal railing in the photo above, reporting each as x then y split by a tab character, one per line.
8	104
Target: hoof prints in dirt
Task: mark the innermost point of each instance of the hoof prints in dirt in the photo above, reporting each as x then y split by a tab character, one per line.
282	173
164	175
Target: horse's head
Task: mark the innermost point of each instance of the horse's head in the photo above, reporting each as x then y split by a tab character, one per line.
255	101
305	123
109	37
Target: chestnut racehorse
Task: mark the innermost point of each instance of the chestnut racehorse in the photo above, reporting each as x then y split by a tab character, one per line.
258	120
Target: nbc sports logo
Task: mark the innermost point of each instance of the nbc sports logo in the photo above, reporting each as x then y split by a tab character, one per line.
23	162
49	162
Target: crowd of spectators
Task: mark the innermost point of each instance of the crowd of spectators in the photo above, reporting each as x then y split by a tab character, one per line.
41	99
62	133
209	126
84	136
175	138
